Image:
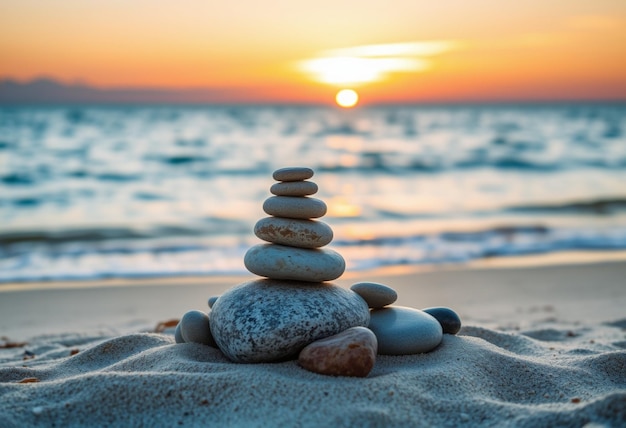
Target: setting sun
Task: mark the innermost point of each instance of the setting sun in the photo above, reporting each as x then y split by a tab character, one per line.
347	98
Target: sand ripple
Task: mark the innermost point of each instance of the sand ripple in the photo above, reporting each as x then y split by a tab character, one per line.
549	375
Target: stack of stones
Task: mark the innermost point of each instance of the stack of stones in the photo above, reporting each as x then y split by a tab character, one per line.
293	311
274	318
295	240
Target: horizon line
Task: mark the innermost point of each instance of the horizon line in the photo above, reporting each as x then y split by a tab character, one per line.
270	103
56	92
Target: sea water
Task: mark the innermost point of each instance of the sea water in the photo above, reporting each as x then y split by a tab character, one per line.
102	191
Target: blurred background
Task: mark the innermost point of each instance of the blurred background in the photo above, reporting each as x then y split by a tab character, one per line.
138	139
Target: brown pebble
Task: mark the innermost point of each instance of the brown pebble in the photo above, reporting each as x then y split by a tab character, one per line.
575	400
349	353
8	345
162	326
29	380
74	352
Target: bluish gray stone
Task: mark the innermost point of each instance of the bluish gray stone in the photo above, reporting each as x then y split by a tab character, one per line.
449	320
404	331
294	207
212	300
294	232
178	337
300	264
376	295
294	173
194	328
270	320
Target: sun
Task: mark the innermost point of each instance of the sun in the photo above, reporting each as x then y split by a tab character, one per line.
347	98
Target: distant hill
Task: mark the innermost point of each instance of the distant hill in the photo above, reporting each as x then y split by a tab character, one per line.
49	91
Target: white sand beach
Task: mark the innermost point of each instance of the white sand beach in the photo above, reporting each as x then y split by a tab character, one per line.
540	346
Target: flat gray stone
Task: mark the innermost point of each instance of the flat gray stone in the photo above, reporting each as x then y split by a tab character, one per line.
376	295
300	264
294	207
404	331
269	320
294	188
294	232
292	174
194	328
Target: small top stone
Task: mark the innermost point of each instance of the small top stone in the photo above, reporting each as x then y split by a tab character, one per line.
292	174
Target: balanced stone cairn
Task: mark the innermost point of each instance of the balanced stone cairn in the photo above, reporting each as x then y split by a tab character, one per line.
294	250
293	311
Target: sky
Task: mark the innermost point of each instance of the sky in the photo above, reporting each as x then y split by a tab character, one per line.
305	51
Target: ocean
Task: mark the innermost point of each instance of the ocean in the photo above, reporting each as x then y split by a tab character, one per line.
107	191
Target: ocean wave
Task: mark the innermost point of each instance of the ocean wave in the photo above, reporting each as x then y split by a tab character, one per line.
181	159
384	163
117	177
213	226
173	190
462	247
596	207
35	259
503	239
17	179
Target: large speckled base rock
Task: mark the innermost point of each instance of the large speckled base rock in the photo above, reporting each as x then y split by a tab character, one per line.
269	320
299	264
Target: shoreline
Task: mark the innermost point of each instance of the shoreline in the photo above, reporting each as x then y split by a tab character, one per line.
493	296
559	259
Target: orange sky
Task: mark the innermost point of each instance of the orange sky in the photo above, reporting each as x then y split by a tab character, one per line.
495	49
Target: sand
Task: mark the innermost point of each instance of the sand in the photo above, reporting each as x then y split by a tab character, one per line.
543	346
